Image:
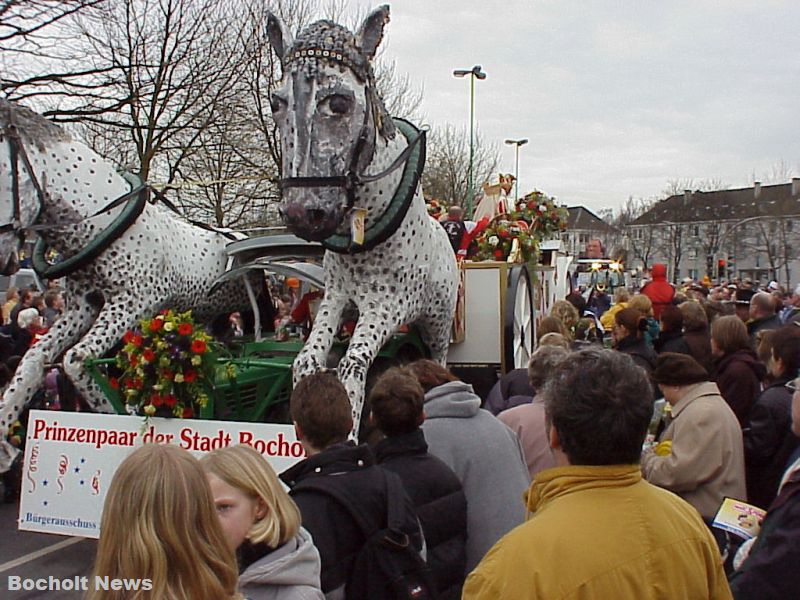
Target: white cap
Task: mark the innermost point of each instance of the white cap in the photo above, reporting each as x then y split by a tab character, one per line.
773	285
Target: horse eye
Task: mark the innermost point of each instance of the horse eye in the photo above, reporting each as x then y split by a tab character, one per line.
276	103
339	104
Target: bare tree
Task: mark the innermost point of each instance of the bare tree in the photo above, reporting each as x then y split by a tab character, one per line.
642	239
447	166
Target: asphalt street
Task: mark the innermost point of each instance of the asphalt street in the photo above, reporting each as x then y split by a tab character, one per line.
37	556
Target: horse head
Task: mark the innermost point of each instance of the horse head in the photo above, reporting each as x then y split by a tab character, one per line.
21	192
329	116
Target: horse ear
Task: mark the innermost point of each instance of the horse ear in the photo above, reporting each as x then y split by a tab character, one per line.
279	37
370	34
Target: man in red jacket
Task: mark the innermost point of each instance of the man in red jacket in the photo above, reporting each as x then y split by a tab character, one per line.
658	290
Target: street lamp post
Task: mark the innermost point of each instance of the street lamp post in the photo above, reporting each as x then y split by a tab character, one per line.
517	144
472	73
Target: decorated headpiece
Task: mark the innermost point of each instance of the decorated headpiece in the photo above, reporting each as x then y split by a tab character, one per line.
329	42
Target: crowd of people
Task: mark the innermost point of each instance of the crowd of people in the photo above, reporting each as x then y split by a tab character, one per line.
567	480
554	489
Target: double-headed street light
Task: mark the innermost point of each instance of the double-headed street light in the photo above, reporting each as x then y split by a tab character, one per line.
516	143
473	73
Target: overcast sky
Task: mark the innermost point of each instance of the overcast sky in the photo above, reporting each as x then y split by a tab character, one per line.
616	98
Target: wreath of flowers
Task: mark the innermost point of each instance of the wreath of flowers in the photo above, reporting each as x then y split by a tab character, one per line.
435	208
497	240
545	217
165	363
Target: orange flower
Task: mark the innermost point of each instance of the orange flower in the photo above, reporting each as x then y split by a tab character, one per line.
185	329
198	346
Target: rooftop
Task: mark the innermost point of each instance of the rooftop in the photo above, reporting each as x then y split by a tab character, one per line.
726	205
581	217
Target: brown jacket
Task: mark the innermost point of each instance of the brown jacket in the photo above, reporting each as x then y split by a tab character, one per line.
706	461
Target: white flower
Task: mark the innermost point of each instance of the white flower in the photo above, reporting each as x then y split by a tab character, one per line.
169	326
543	207
494	240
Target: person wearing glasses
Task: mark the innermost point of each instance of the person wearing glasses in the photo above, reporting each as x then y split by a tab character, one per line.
769	571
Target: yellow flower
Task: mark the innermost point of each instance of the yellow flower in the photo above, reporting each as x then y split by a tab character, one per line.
150	410
196	360
169	326
178	378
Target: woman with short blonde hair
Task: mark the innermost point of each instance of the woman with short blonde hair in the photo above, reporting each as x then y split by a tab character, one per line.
277	558
566	313
159	524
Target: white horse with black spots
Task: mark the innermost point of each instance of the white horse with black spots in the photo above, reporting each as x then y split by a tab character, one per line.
345	157
121	265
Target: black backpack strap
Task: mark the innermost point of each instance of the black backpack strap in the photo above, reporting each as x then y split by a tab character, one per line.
314	484
394	495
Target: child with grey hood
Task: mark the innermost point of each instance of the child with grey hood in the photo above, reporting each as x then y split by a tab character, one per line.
277	558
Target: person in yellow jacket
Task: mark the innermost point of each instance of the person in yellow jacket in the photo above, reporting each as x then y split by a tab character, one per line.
598	530
621	297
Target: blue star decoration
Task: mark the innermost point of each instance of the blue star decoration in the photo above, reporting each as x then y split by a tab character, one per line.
77	469
44	482
82	482
45	502
83	460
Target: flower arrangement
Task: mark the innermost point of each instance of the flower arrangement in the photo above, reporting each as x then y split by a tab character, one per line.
436	209
545	218
497	240
165	362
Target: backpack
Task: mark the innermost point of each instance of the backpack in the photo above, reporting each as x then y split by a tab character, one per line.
387	567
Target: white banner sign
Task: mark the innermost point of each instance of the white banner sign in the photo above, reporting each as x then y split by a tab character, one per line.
70	459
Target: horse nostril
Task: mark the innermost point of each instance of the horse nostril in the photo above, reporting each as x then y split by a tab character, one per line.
315	215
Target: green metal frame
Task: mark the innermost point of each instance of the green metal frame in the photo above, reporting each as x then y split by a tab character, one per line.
262	377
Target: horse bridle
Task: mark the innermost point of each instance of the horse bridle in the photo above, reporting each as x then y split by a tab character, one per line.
352	179
17	152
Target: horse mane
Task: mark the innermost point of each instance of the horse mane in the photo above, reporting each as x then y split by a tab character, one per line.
33	127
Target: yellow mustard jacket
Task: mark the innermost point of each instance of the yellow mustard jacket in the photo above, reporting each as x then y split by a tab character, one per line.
602	533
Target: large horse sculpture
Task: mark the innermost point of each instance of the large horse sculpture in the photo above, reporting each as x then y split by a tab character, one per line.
344	157
124	258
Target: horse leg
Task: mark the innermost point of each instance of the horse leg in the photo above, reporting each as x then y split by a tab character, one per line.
371	333
435	334
313	356
117	316
28	378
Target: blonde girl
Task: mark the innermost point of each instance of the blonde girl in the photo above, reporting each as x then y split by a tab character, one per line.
277	558
159	524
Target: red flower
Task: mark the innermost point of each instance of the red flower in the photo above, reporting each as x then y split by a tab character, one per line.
134	360
198	346
163	311
166	374
138	383
531	205
156	400
137	340
185	329
129	384
155	324
128	337
114	383
189	376
170	400
148	355
498	254
503	233
187	412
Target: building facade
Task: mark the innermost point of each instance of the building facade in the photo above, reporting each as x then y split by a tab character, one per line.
748	232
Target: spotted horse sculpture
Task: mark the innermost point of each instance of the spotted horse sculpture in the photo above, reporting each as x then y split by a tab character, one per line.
350	179
124	257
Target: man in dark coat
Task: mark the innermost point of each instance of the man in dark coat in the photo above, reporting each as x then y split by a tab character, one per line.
770	571
320	410
762	316
396	400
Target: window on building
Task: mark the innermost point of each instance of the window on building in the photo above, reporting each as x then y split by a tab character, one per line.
696	230
789	224
693	273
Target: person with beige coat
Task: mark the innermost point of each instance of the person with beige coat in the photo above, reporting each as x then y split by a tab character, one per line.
700	455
